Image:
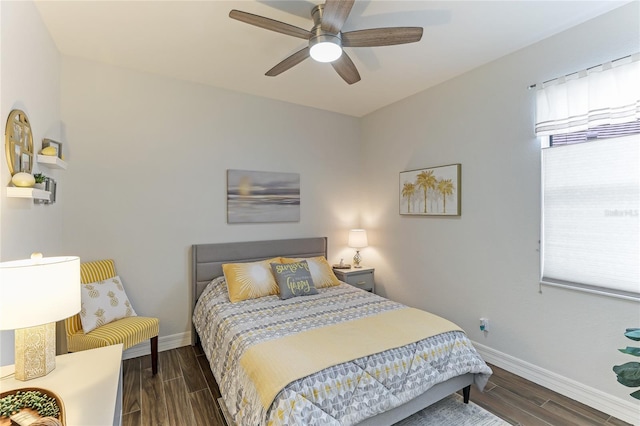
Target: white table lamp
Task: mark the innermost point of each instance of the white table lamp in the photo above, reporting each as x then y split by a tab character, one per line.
34	294
357	240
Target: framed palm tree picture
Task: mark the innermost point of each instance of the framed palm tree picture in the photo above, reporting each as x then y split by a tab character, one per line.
434	191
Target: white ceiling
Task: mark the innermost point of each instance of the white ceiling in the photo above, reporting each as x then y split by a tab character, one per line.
197	41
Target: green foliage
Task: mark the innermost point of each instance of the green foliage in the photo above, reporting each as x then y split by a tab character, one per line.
629	373
631	351
45	405
633	334
39	177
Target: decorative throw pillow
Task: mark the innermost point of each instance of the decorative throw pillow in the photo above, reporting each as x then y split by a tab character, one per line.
294	279
104	302
250	280
321	271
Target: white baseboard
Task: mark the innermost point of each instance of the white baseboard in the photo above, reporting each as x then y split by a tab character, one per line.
164	344
612	405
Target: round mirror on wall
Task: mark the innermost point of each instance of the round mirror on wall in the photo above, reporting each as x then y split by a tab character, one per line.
19	143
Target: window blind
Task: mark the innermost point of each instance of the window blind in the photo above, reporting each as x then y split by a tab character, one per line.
591	215
606	94
604	131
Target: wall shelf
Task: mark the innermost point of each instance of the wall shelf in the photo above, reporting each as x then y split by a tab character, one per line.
52	161
36	194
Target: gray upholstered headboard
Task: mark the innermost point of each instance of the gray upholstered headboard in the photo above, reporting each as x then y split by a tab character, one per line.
207	259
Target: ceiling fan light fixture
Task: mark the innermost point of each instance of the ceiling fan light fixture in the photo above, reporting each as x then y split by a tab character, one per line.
326	39
325	48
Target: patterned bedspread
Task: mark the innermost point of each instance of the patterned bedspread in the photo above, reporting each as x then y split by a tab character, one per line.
344	394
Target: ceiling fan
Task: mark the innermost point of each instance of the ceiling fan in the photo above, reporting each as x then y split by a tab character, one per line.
326	41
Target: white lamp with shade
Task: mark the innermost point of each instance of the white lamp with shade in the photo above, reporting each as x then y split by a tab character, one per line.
357	240
34	294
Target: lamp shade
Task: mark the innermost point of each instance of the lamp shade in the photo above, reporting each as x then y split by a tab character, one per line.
38	291
358	238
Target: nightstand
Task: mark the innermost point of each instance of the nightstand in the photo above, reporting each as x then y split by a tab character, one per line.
358	277
88	382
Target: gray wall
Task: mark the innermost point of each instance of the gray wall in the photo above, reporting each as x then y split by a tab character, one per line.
486	262
147	175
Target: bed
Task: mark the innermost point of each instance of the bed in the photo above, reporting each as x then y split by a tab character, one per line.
377	388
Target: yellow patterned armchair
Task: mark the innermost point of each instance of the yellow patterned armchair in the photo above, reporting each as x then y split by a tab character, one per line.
129	331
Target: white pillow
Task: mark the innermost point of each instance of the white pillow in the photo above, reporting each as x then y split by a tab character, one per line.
104	302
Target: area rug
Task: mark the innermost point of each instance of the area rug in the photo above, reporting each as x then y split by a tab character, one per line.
451	411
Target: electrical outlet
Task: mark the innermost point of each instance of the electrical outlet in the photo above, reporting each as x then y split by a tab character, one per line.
484	324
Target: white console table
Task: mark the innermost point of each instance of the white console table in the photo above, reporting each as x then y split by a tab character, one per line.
88	382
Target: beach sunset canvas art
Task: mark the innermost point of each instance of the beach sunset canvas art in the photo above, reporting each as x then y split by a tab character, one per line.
254	197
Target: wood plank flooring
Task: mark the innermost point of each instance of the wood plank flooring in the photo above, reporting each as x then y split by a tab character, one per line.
184	392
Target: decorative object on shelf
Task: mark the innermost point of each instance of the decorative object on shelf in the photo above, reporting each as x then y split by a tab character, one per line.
48	184
254	197
25	163
23	180
629	373
40	181
36	293
433	191
31	406
52	148
18	142
51	186
49	151
357	240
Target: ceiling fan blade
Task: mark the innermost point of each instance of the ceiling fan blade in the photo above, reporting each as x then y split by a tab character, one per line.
270	24
334	15
290	62
381	36
346	69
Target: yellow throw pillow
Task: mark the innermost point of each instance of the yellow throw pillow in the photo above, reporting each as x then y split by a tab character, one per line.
321	272
250	280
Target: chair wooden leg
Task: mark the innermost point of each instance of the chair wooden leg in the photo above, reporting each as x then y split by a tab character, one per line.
154	355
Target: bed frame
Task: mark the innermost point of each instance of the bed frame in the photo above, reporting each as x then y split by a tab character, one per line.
207	260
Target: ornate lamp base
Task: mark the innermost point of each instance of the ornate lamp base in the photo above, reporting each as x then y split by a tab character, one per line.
35	351
357	259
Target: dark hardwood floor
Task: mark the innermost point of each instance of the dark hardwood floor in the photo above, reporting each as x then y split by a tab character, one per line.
184	392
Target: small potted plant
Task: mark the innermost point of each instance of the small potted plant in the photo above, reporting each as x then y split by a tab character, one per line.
40	180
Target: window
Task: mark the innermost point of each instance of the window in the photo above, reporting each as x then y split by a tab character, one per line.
590	232
591	196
